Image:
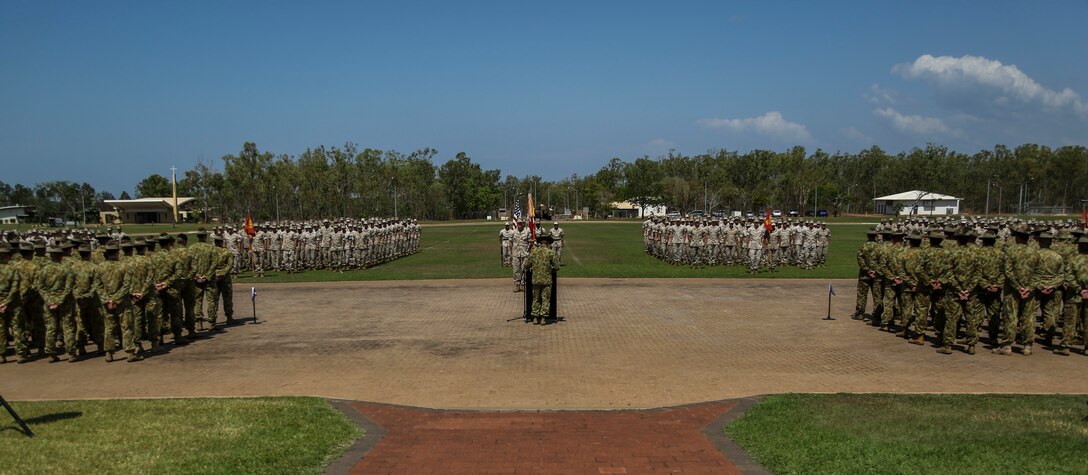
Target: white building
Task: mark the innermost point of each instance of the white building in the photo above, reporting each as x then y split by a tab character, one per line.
142	210
917	202
627	209
14	214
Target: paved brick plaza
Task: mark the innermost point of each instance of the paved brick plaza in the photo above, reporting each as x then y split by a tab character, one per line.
625	344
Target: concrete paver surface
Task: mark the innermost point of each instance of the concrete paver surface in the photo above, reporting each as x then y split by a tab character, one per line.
625	343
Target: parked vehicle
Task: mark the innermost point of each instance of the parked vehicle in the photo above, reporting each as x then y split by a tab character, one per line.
776	213
793	213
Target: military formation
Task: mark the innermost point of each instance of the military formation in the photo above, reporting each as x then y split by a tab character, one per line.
701	242
337	245
61	293
1024	282
516	245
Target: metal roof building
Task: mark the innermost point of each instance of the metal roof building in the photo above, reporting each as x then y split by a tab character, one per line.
143	210
917	202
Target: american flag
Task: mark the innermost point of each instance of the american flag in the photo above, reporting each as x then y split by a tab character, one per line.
517	211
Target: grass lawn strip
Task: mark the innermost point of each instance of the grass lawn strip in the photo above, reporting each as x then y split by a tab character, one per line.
244	435
885	433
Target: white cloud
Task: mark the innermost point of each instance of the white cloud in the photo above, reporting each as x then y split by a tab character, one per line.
856	135
771	124
881	95
967	73
915	124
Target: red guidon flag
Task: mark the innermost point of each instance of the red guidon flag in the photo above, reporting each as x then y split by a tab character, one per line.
767	222
532	217
248	228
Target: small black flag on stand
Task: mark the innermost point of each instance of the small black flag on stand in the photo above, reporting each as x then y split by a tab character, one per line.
830	292
253	298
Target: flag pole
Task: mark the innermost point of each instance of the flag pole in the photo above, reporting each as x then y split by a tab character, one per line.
253	298
830	292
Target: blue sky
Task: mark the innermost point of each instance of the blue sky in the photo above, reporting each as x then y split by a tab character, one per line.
110	92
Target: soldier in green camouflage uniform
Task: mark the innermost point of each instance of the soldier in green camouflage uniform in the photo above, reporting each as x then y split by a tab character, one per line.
87	307
1066	245
166	271
186	289
962	295
542	260
1049	277
55	282
203	261
1020	304
9	298
1076	318
222	283
30	305
889	265
933	287
111	283
867	277
138	268
911	298
986	305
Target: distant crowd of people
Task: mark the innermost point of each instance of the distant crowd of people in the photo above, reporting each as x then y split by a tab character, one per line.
700	242
337	245
1018	279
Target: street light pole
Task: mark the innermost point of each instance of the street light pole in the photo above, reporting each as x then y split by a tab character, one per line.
988	196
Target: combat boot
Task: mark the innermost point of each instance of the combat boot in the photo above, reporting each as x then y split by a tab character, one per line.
109	357
53	358
945	350
134	357
971	349
1063	351
901	334
1027	350
22	359
856	316
1004	350
919	340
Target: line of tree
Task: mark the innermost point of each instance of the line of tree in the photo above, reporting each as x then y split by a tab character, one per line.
346	181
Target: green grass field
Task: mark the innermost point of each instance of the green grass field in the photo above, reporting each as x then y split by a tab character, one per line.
601	249
884	433
253	435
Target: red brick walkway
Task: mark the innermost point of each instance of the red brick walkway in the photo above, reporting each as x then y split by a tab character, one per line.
420	441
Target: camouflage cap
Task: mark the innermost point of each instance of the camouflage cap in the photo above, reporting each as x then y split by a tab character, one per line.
84	248
54	250
5	248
